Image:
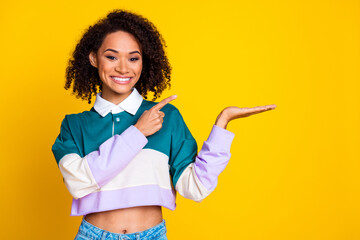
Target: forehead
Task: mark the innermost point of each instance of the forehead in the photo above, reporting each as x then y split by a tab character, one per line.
120	41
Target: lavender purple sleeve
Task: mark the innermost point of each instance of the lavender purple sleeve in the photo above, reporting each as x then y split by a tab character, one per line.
213	156
115	153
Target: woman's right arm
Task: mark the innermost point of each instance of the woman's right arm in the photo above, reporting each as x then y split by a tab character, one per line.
86	174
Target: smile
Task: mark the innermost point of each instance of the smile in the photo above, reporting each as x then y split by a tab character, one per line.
121	80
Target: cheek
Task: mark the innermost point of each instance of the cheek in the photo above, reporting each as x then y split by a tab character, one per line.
139	69
105	69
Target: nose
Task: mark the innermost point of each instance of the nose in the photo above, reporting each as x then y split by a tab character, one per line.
122	67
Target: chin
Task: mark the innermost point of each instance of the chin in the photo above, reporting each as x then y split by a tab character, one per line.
123	90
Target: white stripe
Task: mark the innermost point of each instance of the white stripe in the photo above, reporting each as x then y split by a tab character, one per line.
148	167
77	175
189	185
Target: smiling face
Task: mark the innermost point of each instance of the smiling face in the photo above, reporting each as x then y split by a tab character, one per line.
119	63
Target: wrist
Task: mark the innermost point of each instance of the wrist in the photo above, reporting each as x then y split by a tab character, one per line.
138	128
222	120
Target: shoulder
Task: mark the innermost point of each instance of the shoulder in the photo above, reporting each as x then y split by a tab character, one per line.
77	118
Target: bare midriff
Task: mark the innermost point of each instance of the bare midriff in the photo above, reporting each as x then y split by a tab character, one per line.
127	220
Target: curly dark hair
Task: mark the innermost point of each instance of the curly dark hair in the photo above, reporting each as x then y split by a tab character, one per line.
155	75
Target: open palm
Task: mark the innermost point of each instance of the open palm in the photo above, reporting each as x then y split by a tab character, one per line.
232	112
236	112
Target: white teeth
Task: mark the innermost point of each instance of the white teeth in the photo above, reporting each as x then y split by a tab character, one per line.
121	79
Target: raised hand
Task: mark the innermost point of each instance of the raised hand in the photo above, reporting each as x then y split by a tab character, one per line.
151	120
231	113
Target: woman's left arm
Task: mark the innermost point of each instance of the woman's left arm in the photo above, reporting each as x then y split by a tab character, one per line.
199	178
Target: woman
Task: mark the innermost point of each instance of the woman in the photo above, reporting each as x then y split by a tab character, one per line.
127	157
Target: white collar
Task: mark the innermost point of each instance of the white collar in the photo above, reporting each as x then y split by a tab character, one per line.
130	104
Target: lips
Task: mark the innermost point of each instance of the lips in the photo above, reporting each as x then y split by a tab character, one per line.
121	80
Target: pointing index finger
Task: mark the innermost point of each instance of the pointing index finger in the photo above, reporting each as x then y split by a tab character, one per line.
162	103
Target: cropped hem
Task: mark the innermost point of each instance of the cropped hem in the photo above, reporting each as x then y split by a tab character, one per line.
124	198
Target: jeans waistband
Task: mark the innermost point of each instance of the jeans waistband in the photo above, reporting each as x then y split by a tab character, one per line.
93	232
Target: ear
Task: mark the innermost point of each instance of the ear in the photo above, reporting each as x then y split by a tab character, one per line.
92	58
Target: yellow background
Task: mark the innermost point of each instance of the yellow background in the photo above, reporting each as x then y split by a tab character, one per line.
294	171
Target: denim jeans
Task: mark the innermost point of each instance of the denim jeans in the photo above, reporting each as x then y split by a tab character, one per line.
88	231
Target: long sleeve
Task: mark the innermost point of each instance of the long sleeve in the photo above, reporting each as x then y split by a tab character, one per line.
86	174
195	175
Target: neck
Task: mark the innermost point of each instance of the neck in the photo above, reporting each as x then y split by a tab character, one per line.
113	97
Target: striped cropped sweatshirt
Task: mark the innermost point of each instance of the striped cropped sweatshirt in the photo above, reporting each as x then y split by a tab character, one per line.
107	163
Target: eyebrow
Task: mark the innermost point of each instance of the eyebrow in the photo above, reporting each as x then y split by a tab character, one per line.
112	50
